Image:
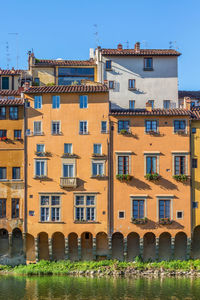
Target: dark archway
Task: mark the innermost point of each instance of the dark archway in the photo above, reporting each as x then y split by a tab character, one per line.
196	243
149	253
86	246
58	246
165	246
17	242
133	246
43	246
118	246
30	248
73	246
4	242
180	248
102	246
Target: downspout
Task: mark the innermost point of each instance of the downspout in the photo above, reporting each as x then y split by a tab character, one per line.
191	177
25	168
110	178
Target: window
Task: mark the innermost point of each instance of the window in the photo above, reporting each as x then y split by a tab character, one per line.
38	102
131	84
40	168
15	208
195	204
3	172
138	209
123	165
13	113
194	163
166	104
16	173
179	125
97	149
49	208
121	214
37	127
179	165
103	126
151	126
151	164
108	64
3	133
2	113
179	215
5	83
111	84
131	104
83	127
40	148
148	63
194	130
85	208
97	168
164	209
83	101
68	148
68	170
152	103
2	208
17	134
55	101
55	127
123	125
36	81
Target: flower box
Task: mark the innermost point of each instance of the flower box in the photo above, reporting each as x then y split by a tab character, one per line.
4	138
125	132
69	155
152	177
124	177
181	177
165	221
139	221
98	155
42	154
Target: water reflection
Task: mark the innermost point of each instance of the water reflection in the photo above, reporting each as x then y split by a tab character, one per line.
62	288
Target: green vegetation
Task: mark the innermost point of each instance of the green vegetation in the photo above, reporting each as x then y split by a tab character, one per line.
105	266
152	177
125	177
181	177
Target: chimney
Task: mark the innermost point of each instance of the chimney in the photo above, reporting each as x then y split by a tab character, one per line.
119	47
149	106
137	47
91	53
187	103
26	85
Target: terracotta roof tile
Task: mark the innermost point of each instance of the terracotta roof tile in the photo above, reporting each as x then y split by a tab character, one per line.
141	52
11	102
10	72
53	62
68	89
9	93
191	94
154	112
196	113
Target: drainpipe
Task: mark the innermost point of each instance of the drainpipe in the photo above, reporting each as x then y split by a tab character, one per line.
25	168
191	175
110	179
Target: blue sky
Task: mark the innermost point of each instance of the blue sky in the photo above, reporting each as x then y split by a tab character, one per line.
65	29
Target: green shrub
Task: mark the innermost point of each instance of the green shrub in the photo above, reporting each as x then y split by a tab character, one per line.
152	177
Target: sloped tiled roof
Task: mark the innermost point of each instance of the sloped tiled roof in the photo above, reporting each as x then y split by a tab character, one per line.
191	94
154	112
11	102
68	89
196	113
9	93
140	52
54	62
10	72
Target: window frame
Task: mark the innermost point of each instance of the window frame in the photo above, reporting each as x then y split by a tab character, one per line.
94	161
4	208
16	172
69	164
17	209
121	211
58	122
83	104
138	197
85	206
102	131
4	179
17	136
179	120
130	84
98	145
38	104
148	68
108	61
84	132
71	152
45	167
123	153
157	126
50	206
37	133
179	153
130	106
165	197
167	101
12	114
152	154
124	127
55	103
111	84
2	116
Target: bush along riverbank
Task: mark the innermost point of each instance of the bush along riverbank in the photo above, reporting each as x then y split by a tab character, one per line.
190	268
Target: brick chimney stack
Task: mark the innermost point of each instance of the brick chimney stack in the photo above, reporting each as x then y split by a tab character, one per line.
137	47
148	106
187	103
119	47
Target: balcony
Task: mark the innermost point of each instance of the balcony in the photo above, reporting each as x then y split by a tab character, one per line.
68	182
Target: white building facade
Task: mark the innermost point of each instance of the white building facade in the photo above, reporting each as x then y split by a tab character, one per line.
136	76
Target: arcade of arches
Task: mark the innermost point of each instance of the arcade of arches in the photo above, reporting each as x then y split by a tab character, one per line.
88	247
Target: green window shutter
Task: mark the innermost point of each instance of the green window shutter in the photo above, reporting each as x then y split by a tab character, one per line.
5	83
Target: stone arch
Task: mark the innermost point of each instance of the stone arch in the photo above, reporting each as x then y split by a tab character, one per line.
4	242
180	247
30	248
133	246
17	242
149	253
165	246
43	246
73	246
196	243
118	246
86	246
102	245
58	246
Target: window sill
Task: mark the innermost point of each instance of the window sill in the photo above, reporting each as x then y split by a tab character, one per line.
132	89
60	133
108	69
104	132
38	134
86	222
16	180
4	180
51	222
148	69
69	155
83	133
99	177
96	155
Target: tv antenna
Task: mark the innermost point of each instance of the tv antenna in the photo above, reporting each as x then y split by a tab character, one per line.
145	44
173	45
17	47
127	44
7	55
96	33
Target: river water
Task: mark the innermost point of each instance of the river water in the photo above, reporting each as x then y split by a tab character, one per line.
71	288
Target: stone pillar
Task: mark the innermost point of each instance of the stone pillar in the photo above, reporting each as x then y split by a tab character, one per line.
66	249
109	247
94	248
24	244
188	253
172	247
125	248
157	248
79	248
50	248
36	250
141	247
10	243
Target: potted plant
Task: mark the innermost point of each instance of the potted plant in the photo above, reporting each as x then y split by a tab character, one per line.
125	177
152	177
139	221
181	177
165	221
124	131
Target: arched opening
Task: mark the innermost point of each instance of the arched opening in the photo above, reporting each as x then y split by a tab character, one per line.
118	246
4	242
196	243
180	247
30	248
58	246
149	247
165	246
86	246
43	246
101	246
17	242
73	246
133	246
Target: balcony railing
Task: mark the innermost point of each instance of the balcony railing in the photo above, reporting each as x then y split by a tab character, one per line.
68	182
